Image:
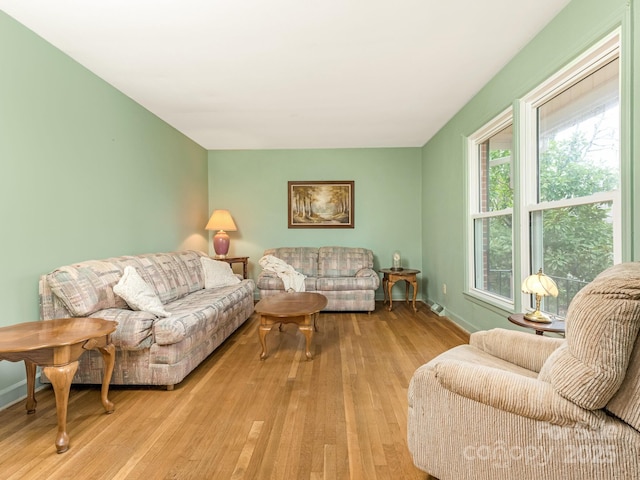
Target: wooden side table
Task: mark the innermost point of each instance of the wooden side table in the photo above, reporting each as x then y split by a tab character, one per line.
391	276
556	326
232	260
56	345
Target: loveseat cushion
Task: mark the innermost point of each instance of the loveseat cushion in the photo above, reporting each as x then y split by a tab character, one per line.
338	284
343	261
303	259
271	281
602	325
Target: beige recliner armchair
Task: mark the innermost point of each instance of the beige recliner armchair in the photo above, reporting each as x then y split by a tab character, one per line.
517	405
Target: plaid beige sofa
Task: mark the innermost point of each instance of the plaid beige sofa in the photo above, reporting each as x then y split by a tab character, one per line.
149	350
344	275
517	405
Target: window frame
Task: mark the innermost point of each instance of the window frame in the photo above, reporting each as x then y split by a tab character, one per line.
523	116
593	59
496	125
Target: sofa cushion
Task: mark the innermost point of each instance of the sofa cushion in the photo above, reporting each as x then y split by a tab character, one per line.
87	287
199	313
134	330
138	294
343	261
601	329
217	274
172	275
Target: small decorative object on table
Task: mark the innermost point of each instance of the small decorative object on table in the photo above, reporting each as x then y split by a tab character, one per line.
539	285
397	263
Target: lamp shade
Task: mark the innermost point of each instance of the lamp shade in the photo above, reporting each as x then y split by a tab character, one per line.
221	220
540	284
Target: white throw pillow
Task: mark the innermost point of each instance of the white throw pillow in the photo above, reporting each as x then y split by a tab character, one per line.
138	294
217	274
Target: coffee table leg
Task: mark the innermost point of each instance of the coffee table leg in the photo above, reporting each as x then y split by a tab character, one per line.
31	386
262	331
109	359
61	378
307	331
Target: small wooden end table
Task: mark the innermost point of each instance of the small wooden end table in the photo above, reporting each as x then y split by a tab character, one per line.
56	345
232	260
301	308
556	326
391	276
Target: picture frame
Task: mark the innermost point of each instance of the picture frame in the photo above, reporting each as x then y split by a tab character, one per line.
321	204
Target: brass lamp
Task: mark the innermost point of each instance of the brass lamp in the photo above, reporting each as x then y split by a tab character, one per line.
221	220
539	285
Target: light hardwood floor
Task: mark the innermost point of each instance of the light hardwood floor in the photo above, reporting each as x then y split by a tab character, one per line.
342	415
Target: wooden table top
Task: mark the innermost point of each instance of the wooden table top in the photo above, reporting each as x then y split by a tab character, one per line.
291	304
403	271
28	336
555	326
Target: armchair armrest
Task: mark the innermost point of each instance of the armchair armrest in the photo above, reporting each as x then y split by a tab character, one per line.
523	349
517	394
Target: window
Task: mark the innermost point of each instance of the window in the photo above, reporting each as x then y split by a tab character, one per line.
573	198
568	189
492	210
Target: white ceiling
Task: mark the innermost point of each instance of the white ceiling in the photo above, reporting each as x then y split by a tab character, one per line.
258	74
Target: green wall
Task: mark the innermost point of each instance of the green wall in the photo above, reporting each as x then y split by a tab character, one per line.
444	176
252	185
86	173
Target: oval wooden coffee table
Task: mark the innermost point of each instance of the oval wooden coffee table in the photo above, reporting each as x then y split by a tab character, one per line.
56	345
301	308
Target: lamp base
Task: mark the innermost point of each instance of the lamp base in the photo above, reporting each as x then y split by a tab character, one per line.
537	316
221	244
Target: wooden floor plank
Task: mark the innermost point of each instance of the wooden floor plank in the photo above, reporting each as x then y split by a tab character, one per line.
341	415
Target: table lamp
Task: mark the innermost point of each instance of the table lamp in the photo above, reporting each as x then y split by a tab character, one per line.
539	285
221	220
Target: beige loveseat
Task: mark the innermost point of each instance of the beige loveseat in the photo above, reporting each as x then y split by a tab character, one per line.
150	350
517	405
344	275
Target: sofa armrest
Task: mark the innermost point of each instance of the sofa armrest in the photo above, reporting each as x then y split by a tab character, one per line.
513	393
523	349
369	273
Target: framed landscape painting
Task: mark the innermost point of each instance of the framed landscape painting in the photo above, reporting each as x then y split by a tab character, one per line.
323	204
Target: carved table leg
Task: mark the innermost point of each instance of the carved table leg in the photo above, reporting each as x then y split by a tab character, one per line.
390	285
61	378
31	386
109	359
385	285
262	331
307	331
414	283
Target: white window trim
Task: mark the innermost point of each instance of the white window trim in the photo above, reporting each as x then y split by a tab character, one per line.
500	122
